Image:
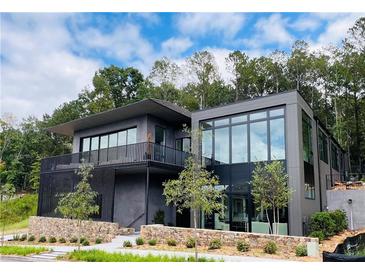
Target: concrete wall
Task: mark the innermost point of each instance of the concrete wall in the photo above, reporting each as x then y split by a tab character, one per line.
338	199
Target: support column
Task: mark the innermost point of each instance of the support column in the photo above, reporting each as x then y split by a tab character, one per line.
147	191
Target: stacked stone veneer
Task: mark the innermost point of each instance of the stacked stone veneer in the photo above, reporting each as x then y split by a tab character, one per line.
257	240
67	228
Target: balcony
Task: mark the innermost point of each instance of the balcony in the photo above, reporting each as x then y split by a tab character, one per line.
127	154
343	181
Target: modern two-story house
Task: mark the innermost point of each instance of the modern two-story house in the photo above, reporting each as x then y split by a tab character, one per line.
135	148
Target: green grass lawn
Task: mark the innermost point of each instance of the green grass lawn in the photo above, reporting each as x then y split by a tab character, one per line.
21	250
17	227
102	256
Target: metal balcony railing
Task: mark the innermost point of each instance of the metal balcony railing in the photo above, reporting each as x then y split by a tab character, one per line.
345	180
133	153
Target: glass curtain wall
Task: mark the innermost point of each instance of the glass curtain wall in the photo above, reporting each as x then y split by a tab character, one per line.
231	146
309	186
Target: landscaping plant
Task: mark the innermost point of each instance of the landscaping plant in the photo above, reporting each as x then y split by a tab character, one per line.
127	244
42	239
171	242
139	241
23	237
81	203
21	250
328	223
243	246
31	238
62	240
190	243
270	189
301	250
194	189
317	234
52	240
270	248
73	240
7	215
215	244
98	241
85	243
159	217
152	242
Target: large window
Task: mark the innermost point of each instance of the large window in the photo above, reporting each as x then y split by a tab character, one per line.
323	146
334	157
160	136
258	140
183	144
307	138
277	139
121	138
230	139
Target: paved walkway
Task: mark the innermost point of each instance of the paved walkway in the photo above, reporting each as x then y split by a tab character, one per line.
117	243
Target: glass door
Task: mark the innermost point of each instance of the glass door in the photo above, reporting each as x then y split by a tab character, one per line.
160	142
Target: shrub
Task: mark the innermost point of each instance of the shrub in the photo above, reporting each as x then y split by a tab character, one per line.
82	239
127	244
139	241
16	237
52	240
42	239
322	221
340	219
190	243
85	243
317	234
152	242
62	240
242	246
171	242
73	240
159	217
270	248
31	238
215	244
301	250
98	241
23	237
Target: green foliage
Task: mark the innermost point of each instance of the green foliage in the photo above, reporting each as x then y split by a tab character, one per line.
139	241
23	237
21	250
21	208
31	238
329	223
152	242
301	250
42	239
159	217
270	187
190	243
85	243
16	237
62	240
127	244
340	219
171	242
102	256
317	234
270	248
215	244
52	240
73	240
243	246
98	241
82	239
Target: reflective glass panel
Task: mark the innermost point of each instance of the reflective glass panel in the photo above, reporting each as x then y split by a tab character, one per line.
104	141
221	145
221	122
132	136
276	112
239	119
95	143
239	144
258	141
85	144
258	115
113	140
277	136
122	138
207	144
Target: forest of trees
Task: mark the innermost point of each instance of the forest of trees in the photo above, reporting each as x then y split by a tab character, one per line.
331	79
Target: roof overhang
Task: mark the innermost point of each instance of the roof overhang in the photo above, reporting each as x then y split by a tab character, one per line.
164	110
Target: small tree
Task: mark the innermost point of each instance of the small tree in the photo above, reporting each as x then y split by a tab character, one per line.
195	189
81	203
270	189
7	216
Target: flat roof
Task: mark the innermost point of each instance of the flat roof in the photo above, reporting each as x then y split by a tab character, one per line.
167	111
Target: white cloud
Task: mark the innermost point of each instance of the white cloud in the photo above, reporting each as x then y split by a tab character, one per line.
270	30
201	24
175	46
308	22
39	71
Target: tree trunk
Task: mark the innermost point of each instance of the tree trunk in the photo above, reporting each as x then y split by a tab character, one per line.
195	234
278	221
274	216
268	219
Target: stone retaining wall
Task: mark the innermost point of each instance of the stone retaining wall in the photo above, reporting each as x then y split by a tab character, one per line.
67	228
257	240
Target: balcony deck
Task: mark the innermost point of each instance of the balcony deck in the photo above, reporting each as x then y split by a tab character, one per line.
342	181
120	155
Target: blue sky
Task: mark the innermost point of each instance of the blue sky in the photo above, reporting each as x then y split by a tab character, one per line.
47	59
